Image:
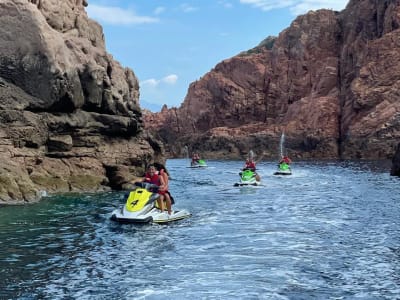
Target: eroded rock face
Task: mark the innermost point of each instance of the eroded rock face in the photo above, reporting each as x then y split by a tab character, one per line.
330	82
69	113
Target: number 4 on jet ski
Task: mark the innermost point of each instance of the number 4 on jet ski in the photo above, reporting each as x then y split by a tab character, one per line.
141	207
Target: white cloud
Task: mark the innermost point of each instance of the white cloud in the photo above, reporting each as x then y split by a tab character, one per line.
297	6
170	79
158	91
116	15
268	4
151	92
152	82
187	8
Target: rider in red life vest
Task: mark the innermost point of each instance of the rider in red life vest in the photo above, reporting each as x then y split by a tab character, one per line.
152	177
285	159
250	164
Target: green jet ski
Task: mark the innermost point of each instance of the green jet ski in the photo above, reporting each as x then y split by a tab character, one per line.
247	178
283	169
201	163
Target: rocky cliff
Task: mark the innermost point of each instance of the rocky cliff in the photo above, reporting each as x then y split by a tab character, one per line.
330	82
69	113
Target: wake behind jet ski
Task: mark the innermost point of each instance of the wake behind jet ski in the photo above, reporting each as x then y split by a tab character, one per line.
285	161
141	207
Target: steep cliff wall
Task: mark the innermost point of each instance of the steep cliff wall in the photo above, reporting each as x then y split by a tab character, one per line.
69	113
329	81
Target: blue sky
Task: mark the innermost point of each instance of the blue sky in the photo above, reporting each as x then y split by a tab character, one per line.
171	43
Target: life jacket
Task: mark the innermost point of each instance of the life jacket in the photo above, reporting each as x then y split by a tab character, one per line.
155	179
251	165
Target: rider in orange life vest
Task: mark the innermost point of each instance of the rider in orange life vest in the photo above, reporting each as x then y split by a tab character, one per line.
153	177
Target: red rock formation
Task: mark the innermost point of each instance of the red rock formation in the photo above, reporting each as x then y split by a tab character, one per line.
69	113
330	82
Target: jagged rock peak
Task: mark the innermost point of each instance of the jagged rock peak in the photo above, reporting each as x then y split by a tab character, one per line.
59	56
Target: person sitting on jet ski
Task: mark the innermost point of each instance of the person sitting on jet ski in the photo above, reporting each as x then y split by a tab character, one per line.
153	177
195	159
163	173
251	165
285	159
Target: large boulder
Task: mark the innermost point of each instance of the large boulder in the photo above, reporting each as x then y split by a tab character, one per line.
68	110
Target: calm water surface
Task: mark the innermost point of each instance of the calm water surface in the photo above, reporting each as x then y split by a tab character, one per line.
329	231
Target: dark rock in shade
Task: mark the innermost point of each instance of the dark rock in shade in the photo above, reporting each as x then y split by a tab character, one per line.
59	143
395	171
68	110
329	81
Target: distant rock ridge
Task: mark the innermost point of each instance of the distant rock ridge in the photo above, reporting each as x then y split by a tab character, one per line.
330	82
70	118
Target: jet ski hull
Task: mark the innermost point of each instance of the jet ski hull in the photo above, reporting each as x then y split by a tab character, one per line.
154	216
247	183
123	220
283	169
283	173
247	178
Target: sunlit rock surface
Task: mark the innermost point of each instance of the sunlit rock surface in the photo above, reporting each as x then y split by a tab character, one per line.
69	113
330	82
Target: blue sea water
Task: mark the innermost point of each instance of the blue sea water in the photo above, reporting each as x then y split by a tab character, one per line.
329	231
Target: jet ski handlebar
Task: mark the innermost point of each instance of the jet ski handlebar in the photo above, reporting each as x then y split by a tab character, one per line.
148	186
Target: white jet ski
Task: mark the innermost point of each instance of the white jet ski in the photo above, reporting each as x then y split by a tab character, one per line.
141	207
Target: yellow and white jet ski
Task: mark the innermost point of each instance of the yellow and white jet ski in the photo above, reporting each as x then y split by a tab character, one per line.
141	207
